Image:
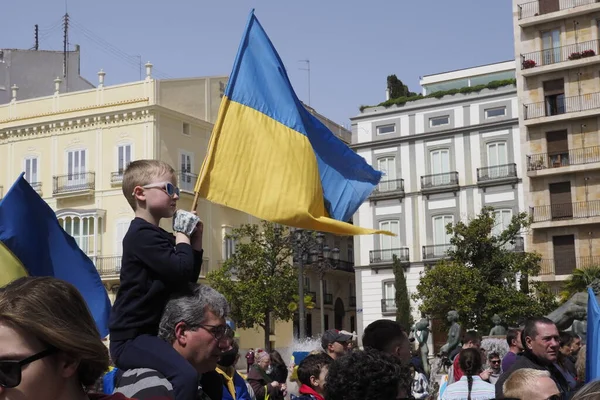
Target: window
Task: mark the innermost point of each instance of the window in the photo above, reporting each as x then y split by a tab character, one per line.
387	244
228	243
76	161
440	237
325	286
386	129
439	121
187	180
307	284
387	166
502	218
121	230
440	166
82	230
326	321
31	170
186	129
551	47
123	157
497	154
351	254
495	112
351	289
389	296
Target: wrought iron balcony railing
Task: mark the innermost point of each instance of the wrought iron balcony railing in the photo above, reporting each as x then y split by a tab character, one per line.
560	54
496	172
387	255
107	266
533	8
328	298
439	180
116	178
388	305
565	211
74	182
563	105
388	187
436	251
566	266
584	155
342	265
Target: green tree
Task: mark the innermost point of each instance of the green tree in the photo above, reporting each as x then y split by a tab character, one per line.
579	280
259	280
479	276
403	315
397	88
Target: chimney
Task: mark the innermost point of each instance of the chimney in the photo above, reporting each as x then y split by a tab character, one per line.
148	70
101	75
14	89
57	83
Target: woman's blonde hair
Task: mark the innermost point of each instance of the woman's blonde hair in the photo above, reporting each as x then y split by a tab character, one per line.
56	314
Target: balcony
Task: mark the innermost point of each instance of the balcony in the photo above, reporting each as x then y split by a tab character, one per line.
389	189
108	266
569	161
387	256
559	215
388	306
328	298
342	265
550	266
116	178
577	55
437	183
541	11
497	175
436	251
576	106
74	184
187	181
352	301
37	186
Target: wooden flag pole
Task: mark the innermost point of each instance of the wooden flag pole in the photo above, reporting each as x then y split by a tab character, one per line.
196	200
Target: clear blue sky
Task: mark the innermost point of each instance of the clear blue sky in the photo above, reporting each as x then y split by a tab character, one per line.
352	44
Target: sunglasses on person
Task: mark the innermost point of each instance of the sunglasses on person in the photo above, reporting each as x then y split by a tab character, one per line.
167	187
494	361
10	370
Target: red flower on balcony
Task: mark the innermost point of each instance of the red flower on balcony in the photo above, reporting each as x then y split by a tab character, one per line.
588	53
528	64
575	56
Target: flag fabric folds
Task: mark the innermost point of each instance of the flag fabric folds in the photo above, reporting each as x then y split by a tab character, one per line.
269	157
33	243
592	357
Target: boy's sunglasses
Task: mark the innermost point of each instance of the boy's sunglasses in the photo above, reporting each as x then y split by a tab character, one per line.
10	371
168	188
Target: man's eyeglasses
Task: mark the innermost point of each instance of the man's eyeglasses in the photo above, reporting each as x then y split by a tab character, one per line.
219	332
10	371
167	187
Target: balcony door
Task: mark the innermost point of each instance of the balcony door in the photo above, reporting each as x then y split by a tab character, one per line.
389	245
497	160
557	143
76	168
560	200
549	6
441	239
440	164
387	166
389	295
31	170
551	46
187	180
564	254
554	97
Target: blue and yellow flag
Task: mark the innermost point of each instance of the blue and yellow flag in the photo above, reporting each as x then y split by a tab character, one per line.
592	356
269	157
33	243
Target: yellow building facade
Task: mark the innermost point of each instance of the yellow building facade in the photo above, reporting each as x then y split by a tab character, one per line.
73	148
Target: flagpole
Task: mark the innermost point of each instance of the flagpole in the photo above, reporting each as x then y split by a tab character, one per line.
195	201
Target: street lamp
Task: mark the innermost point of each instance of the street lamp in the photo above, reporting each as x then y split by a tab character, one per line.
302	258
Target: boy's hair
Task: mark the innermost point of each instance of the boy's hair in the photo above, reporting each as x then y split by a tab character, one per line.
312	366
140	173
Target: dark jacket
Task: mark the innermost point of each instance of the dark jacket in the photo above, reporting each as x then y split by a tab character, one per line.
152	268
279	373
256	379
528	360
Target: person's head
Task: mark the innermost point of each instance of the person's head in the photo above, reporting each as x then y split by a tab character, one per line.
470	361
591	391
412	370
471	339
335	343
276	358
230	357
513	338
566	340
389	337
530	384
194	323
575	344
47	321
496	320
494	361
151	185
365	375
263	359
452	316
313	370
540	337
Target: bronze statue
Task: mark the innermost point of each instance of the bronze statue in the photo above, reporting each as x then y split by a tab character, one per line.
421	333
453	333
497	330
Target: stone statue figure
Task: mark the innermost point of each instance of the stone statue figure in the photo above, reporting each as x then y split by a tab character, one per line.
497	330
421	333
453	333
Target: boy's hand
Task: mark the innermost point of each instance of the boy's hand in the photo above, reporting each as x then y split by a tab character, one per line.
185	222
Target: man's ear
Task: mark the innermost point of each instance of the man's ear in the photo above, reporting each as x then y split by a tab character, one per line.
67	365
181	333
528	341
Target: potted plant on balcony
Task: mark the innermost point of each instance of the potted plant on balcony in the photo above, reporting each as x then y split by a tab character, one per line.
529	64
588	53
575	56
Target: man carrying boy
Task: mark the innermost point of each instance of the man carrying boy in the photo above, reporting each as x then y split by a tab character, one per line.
155	264
312	373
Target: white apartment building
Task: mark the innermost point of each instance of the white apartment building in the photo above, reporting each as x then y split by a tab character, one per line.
443	159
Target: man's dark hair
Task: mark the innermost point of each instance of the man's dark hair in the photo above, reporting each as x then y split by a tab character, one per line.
383	335
493	355
312	366
530	329
511	335
471	336
566	338
367	375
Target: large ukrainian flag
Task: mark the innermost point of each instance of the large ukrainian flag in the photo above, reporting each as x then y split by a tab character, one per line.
33	243
269	157
592	358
